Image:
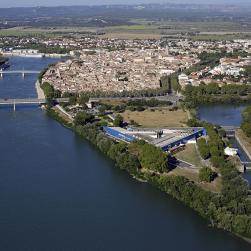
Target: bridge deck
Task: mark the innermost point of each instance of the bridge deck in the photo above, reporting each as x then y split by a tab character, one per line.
19	71
30	101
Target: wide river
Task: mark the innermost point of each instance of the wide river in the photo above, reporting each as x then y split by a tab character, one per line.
57	192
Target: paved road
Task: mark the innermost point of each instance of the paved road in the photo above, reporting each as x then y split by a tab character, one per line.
171	98
173	162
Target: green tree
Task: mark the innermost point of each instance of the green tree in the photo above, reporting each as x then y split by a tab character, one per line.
118	121
83	99
206	174
150	157
83	118
203	148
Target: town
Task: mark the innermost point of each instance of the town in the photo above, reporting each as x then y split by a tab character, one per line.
136	65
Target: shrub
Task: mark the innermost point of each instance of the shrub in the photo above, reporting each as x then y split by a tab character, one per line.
206	174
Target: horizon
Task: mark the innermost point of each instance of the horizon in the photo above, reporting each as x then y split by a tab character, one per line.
55	3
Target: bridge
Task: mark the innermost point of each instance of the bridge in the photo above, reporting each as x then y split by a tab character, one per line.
29	101
230	128
22	72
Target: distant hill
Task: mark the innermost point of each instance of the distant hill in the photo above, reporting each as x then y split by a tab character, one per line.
107	15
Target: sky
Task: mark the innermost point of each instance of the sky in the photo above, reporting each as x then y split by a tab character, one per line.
25	3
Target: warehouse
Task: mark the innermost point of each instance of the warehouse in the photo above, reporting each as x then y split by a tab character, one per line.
166	139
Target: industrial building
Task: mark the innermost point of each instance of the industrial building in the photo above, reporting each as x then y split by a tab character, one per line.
166	139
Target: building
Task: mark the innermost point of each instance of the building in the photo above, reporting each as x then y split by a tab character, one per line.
166	139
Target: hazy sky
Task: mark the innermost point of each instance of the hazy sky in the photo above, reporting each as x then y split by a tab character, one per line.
24	3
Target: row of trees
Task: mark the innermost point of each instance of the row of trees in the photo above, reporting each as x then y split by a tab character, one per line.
171	83
135	93
134	105
203	148
213	93
50	93
148	103
47	49
246	121
77	98
213	148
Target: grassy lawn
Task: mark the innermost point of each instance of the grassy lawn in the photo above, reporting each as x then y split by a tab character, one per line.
190	155
132	34
62	115
161	117
48	32
193	175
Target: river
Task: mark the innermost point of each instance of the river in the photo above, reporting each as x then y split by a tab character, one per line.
57	192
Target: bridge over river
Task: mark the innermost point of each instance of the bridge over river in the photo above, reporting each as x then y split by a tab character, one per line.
22	72
29	101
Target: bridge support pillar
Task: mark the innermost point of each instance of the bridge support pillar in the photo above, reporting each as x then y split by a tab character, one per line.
14	107
23	74
1	75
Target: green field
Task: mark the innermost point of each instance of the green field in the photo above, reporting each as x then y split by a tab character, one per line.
142	28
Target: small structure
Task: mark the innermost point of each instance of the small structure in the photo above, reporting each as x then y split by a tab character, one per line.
92	102
231	151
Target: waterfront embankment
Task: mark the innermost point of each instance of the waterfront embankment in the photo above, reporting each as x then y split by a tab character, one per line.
63	113
245	143
34	55
40	92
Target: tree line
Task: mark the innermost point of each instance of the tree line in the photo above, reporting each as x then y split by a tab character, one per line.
246	121
214	93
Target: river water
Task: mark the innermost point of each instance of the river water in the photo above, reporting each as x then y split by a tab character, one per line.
58	192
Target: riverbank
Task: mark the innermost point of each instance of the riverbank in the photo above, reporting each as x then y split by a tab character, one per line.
177	186
244	141
40	92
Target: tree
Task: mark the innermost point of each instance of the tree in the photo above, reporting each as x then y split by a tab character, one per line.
206	174
48	90
203	148
83	99
118	121
83	118
150	156
246	121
